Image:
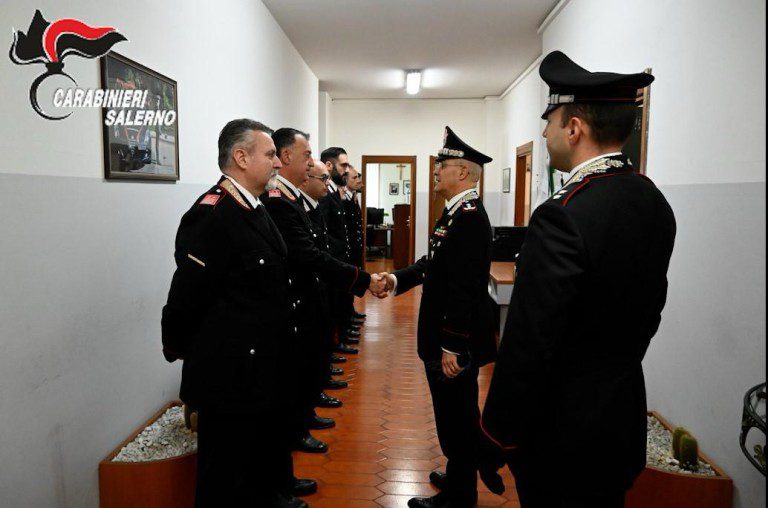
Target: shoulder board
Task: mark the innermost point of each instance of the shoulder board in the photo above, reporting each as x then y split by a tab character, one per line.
274	193
566	193
469	206
210	199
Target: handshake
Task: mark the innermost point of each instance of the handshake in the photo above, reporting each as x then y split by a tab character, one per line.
381	284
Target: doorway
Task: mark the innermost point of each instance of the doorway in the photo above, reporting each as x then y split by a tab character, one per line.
389	209
523	183
437	202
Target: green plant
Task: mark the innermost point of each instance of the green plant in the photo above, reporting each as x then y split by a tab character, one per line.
689	453
677	435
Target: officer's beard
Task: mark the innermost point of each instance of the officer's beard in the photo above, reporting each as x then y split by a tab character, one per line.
272	182
338	179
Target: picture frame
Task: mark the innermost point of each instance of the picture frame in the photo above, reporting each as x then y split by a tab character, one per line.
506	176
394	188
406	187
143	152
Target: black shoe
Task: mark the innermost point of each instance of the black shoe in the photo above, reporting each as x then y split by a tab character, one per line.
335	371
438	479
439	501
358	315
338	359
290	501
327	401
320	422
303	487
335	384
351	340
354	326
357	321
343	348
310	444
352	333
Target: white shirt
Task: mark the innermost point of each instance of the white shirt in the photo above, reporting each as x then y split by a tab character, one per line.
289	185
586	163
309	203
252	200
333	185
349	194
455	199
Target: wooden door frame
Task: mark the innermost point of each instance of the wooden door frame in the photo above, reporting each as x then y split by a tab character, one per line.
391	159
432	191
522	152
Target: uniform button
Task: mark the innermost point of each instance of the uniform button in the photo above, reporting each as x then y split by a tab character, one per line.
294	306
317	279
261	261
314	235
252	352
295	329
290	282
298	301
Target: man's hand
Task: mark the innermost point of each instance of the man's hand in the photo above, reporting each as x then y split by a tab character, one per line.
389	280
451	367
378	286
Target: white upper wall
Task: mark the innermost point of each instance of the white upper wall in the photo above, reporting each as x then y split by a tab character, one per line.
230	59
406	127
707	120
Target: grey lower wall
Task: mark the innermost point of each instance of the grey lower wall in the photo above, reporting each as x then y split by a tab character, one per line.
85	267
711	344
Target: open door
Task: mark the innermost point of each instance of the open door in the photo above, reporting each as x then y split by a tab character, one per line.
523	183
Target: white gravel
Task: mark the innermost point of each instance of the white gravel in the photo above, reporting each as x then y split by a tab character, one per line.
660	451
165	438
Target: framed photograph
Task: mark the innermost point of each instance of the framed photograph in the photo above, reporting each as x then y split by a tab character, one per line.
406	187
505	179
636	147
141	142
394	189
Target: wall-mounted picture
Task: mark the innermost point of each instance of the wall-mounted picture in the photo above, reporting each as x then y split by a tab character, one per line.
141	142
505	179
406	187
394	189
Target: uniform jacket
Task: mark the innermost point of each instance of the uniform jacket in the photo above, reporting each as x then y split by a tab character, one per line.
354	218
307	263
591	284
456	312
228	314
332	208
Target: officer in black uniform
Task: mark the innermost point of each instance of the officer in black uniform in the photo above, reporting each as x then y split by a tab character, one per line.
307	264
591	285
455	329
354	218
332	208
229	318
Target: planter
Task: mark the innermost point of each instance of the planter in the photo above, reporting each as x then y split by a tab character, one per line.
166	483
657	488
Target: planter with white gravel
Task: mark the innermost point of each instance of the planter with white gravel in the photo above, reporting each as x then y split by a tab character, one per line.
663	484
155	467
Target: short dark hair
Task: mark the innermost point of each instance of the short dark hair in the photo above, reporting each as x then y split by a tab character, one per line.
332	153
234	133
611	123
286	137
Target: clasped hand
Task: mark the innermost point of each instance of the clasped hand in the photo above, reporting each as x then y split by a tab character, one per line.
381	284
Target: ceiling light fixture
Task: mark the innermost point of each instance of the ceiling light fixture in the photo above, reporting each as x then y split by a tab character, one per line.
412	82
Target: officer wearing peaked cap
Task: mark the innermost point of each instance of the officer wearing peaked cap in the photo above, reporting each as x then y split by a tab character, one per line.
455	328
591	285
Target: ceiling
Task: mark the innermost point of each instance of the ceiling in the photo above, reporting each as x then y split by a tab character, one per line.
467	48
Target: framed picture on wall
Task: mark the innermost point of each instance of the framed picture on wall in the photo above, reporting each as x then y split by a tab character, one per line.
505	179
141	142
394	189
406	187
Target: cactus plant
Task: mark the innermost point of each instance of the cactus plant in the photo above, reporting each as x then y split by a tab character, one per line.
677	435
689	453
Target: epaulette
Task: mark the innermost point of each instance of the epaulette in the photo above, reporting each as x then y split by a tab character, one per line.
281	188
566	193
466	204
274	193
211	198
230	189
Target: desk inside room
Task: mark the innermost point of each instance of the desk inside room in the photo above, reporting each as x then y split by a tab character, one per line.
379	240
500	284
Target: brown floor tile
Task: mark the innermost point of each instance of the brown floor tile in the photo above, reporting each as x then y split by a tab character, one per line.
407	489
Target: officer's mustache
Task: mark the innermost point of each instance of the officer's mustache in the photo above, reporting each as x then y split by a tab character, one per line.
272	182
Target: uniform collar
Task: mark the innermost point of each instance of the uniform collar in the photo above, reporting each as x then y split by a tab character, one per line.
575	171
290	186
350	195
253	201
309	203
458	197
333	185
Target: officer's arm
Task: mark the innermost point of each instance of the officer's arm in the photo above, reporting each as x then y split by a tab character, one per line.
411	276
549	272
470	259
303	251
201	251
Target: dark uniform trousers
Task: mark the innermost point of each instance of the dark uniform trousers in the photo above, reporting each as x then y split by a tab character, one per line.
353	216
591	284
228	317
456	314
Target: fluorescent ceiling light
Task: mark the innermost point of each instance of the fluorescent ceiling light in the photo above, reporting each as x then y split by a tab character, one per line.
412	82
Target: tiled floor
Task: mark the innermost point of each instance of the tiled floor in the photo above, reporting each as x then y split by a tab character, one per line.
384	445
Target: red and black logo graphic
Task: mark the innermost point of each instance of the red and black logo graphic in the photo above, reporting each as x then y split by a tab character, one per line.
49	43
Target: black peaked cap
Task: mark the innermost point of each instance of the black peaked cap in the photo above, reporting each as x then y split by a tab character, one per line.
455	148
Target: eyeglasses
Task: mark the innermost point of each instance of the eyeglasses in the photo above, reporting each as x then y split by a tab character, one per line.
324	178
439	166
